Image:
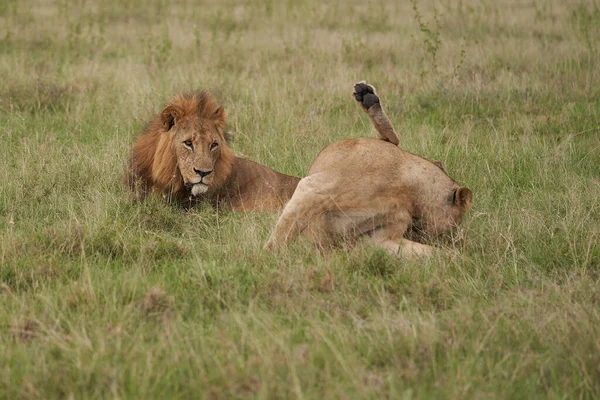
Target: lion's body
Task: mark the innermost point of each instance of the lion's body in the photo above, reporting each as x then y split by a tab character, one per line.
254	187
183	155
372	188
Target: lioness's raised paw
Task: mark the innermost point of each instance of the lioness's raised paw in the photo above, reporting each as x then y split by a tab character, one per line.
365	95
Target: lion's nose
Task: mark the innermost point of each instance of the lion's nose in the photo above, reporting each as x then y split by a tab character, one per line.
202	173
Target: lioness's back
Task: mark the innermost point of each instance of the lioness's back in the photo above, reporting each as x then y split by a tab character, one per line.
366	156
369	165
354	153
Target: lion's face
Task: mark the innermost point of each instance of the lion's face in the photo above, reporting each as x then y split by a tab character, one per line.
197	146
195	129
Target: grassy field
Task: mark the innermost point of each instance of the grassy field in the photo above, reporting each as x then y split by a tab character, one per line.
102	298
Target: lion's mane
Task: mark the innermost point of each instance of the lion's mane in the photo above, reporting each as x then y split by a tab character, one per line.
153	162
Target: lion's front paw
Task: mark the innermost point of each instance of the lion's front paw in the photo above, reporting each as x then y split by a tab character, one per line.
365	95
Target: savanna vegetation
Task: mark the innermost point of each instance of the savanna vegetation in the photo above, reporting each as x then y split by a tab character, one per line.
104	298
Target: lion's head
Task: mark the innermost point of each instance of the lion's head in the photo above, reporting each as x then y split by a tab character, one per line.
184	150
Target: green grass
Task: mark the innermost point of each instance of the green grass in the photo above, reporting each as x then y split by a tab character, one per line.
102	298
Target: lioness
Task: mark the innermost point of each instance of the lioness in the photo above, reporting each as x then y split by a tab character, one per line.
371	188
183	154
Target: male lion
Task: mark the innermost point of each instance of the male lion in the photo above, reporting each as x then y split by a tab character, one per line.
183	154
371	188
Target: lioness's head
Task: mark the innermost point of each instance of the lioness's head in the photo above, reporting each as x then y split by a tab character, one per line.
445	209
442	202
184	149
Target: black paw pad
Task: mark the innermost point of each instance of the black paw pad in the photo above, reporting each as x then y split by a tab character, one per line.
365	95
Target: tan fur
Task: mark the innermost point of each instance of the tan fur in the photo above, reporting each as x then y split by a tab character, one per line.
184	155
371	188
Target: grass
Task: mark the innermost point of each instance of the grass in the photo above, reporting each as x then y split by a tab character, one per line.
102	298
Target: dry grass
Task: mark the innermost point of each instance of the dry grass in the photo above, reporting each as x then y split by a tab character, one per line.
103	298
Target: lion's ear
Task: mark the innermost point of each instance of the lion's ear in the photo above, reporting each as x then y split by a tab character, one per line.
463	197
220	117
169	116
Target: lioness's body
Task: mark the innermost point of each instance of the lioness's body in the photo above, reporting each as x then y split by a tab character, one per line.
183	154
372	188
392	180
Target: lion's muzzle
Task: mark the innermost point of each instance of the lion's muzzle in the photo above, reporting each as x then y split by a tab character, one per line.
196	188
199	188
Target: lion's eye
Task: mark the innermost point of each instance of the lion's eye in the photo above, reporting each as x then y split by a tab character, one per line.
188	143
214	145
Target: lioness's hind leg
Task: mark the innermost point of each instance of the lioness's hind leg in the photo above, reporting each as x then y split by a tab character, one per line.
307	203
369	101
365	95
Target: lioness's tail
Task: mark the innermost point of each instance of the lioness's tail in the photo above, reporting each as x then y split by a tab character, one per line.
369	101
